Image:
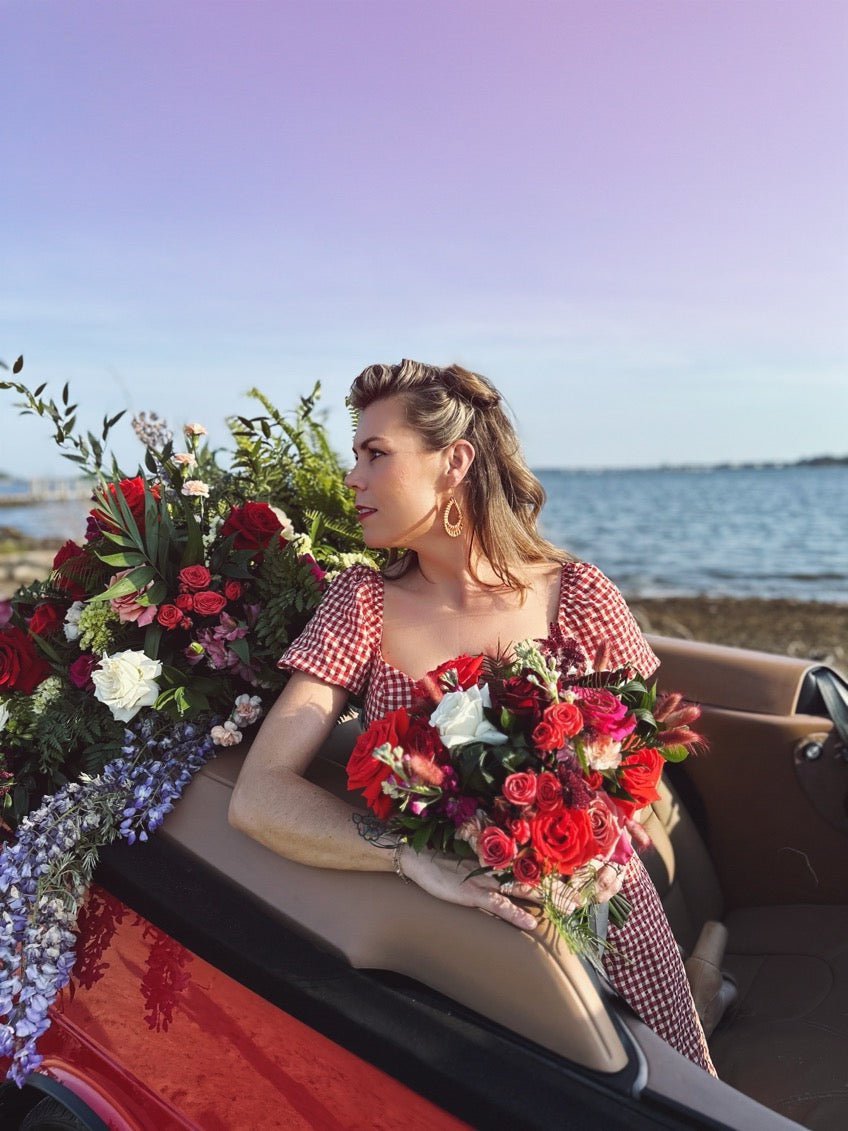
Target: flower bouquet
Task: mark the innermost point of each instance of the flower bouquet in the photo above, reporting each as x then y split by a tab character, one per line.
532	767
152	643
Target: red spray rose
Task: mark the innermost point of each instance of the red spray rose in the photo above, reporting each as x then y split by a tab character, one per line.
232	589
194	576
46	619
527	868
520	788
184	601
548	792
169	616
495	848
21	667
252	525
559	722
367	773
208	603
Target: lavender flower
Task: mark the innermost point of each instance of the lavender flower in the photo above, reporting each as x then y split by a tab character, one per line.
45	871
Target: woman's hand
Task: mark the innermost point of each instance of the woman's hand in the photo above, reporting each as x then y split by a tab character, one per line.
446	877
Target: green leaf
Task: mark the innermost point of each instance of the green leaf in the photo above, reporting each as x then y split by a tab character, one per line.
124	559
674	753
122	588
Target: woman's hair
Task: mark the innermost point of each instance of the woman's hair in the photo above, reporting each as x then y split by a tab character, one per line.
500	493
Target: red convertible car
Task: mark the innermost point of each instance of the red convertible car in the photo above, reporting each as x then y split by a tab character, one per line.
221	987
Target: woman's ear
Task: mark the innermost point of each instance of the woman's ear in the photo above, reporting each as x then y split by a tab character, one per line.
460	458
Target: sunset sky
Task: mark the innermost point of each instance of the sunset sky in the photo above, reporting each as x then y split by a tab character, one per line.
630	214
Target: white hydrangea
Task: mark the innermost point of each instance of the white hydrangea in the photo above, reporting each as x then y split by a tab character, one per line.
72	618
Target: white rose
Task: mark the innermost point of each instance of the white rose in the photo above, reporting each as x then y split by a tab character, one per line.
126	682
288	528
72	616
459	718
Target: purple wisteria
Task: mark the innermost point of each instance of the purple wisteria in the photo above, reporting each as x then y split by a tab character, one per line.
46	870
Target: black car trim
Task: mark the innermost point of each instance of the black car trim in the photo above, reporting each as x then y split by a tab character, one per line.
468	1065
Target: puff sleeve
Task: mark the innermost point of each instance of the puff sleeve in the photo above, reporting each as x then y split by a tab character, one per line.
342	641
593	610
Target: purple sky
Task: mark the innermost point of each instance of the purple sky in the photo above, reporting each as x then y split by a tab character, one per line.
631	215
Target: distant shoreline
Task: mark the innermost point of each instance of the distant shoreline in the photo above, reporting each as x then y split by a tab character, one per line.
814	462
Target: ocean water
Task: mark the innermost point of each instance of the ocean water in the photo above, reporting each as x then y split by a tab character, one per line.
770	532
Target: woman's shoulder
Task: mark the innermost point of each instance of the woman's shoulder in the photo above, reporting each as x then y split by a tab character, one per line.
579	577
356	579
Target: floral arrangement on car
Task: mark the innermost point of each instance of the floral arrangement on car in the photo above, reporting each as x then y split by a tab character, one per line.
533	767
151	644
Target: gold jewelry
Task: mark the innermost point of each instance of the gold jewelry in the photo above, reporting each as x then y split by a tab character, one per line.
397	864
452	529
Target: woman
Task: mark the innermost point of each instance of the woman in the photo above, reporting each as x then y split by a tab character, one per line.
440	482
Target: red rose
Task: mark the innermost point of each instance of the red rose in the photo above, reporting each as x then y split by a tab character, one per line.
495	848
605	712
184	601
232	590
69	568
527	867
564	838
21	667
639	774
134	495
548	792
208	603
467	670
520	789
79	672
252	525
520	697
46	619
367	773
169	616
195	576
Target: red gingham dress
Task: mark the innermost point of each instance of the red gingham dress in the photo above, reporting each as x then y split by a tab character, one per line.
342	646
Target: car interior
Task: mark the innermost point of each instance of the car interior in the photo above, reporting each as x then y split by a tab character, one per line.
748	854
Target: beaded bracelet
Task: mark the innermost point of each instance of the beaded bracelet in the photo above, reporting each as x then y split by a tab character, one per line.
396	862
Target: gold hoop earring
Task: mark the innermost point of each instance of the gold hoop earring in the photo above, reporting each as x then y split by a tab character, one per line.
452	529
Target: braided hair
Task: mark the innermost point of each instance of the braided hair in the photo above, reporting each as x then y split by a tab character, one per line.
501	495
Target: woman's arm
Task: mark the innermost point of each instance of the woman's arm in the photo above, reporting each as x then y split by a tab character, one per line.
273	803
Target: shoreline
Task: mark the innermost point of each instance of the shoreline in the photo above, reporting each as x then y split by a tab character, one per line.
811	629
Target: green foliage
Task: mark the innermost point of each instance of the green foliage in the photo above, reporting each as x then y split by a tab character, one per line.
46	729
86	450
290	463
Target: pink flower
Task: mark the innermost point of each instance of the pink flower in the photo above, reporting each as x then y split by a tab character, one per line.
604	712
602	753
128	608
520	788
226	735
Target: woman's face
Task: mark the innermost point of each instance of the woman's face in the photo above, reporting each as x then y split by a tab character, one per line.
399	485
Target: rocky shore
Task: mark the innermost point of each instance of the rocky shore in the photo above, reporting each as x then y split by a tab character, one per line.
809	629
794	628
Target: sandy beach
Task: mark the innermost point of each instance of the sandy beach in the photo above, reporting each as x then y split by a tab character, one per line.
795	628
